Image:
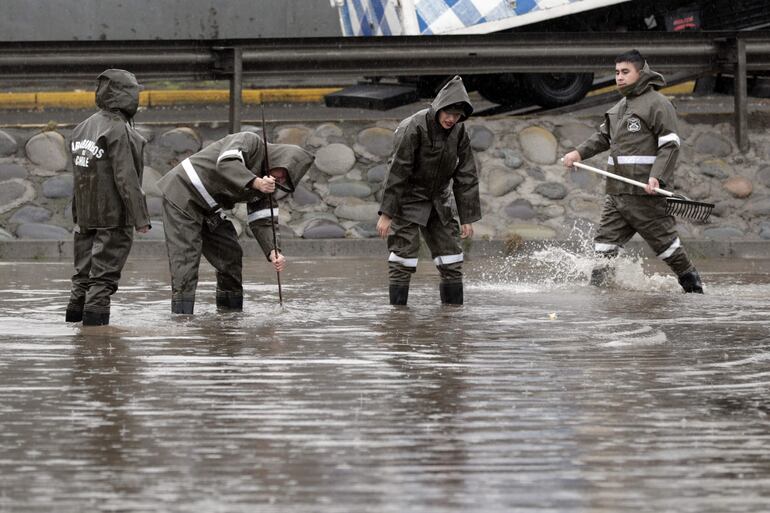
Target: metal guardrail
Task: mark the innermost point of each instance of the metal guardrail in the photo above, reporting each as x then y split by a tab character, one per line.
734	52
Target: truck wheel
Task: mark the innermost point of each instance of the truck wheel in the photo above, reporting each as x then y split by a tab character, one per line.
557	89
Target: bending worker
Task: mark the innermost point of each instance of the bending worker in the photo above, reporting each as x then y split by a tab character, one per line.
432	151
641	133
195	195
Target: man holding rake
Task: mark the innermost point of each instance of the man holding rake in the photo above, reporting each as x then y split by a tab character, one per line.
640	132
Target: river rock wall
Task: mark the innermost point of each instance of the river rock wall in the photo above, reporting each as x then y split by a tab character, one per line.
524	189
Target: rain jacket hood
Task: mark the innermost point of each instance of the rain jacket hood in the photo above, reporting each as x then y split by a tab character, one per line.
647	79
292	158
118	91
453	92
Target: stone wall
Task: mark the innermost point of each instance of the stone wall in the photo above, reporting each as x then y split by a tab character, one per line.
525	190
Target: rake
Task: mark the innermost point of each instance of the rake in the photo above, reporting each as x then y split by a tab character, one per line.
676	204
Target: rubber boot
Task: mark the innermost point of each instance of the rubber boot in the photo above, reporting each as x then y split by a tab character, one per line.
602	276
96	318
182	306
230	302
451	293
691	282
399	293
73	315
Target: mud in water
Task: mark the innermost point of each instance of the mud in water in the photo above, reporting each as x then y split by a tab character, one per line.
540	394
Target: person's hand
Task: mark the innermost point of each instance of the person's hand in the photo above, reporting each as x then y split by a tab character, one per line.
143	229
652	184
279	261
570	158
466	231
383	225
266	184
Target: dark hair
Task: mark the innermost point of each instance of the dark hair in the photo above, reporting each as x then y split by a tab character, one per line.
632	56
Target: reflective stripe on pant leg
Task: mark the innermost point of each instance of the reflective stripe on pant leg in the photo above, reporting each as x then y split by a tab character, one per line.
670	250
406	262
603	247
448	259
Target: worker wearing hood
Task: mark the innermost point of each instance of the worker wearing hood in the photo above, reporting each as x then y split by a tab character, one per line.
108	202
640	132
432	162
198	191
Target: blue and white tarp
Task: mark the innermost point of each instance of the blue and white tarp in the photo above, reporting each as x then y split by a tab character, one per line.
426	17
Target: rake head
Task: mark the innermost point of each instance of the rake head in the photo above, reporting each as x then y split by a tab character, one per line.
683	207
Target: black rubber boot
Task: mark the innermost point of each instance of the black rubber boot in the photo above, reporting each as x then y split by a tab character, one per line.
602	276
73	315
230	302
182	306
398	293
691	282
96	318
451	293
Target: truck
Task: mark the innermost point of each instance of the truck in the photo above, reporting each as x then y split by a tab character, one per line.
430	17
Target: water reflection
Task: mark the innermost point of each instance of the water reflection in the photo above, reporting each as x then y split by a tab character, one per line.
540	394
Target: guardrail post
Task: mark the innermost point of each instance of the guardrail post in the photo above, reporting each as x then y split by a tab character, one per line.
741	97
230	64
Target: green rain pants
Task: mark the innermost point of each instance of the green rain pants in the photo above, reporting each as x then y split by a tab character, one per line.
627	214
190	235
443	241
100	254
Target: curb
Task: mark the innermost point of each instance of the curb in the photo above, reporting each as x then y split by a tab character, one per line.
357	248
160	97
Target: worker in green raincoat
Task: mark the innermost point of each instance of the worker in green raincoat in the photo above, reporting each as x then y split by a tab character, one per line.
432	162
640	132
198	191
108	202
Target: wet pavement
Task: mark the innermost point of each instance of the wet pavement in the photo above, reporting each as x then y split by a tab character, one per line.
540	394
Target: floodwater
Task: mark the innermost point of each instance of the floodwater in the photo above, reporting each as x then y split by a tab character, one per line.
541	394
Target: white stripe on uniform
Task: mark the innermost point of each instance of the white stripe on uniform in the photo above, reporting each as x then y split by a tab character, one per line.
603	247
633	159
448	259
238	154
670	251
262	214
669	138
406	262
196	181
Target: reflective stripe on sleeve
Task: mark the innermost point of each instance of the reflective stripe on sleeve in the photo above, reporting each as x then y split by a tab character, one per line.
238	154
262	214
406	262
669	138
670	251
448	259
633	159
603	247
196	181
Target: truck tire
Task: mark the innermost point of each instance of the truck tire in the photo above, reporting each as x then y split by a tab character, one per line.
557	89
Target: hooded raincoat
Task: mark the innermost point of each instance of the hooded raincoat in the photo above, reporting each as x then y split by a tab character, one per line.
108	202
431	164
197	191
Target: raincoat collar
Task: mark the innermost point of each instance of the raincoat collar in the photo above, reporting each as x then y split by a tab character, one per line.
647	79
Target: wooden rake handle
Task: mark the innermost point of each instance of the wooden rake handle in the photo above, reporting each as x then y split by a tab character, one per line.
621	178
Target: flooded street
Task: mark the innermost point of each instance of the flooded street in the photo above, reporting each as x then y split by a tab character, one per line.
540	394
